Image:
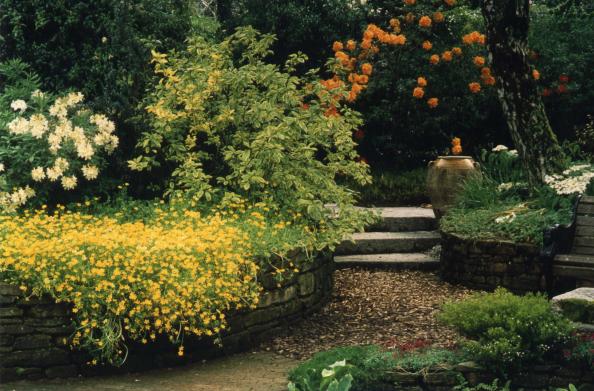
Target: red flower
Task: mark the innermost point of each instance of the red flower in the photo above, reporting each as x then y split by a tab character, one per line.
564	79
562	89
359	134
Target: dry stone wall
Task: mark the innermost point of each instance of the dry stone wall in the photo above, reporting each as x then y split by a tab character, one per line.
34	331
489	264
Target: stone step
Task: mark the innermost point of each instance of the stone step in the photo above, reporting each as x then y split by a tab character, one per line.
405	219
401	261
388	242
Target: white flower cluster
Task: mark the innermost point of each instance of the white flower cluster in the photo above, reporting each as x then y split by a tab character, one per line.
72	137
11	201
507	218
574	180
503	148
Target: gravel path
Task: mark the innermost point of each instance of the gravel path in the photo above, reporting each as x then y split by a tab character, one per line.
389	308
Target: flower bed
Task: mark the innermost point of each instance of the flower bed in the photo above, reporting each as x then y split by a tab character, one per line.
34	331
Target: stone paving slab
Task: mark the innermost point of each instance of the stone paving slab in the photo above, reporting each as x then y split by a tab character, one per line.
389	242
397	261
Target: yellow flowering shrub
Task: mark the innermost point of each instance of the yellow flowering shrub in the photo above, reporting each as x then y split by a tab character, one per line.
174	273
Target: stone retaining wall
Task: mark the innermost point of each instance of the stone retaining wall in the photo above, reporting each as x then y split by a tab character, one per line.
490	264
33	333
543	377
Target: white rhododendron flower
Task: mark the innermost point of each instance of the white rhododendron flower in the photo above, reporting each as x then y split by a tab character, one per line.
38	174
18	126
574	180
508	218
505	186
19	105
69	182
90	172
500	148
1	167
53	174
38	125
37	94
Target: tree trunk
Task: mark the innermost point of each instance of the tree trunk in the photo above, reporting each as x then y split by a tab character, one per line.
507	40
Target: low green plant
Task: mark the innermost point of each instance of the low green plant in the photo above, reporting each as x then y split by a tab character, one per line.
504	331
578	310
336	377
367	366
494	386
571	387
419	360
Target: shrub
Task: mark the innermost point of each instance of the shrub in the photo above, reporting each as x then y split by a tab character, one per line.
506	331
227	122
47	140
101	48
367	366
167	270
416	361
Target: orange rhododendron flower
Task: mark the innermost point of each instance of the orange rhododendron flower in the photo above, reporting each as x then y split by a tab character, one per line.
457	149
337	46
447	56
547	92
564	79
427	45
357	88
410	2
434	59
351	45
486	71
363	79
425	21
474	87
438	17
418	92
489	80
433	102
535	74
395	24
479	61
368	35
456	141
450	2
366	44
367	68
409	18
457	51
473	37
421	81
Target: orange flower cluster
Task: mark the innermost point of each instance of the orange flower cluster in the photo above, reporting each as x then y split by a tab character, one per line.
427	45
479	61
410	2
434	59
433	102
474	37
438	17
486	76
456	146
419	92
535	74
451	3
425	21
474	87
457	51
447	56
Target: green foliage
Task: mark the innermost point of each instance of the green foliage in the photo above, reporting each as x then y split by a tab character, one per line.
560	36
578	310
392	188
228	124
367	365
506	331
494	386
309	26
419	360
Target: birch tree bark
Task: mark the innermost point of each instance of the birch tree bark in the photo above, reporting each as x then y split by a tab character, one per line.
507	24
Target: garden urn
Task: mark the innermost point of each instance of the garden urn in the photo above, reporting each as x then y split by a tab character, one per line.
445	178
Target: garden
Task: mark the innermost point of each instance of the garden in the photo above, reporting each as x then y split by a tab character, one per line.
363	195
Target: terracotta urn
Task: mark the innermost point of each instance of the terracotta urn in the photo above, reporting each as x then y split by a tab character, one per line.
445	178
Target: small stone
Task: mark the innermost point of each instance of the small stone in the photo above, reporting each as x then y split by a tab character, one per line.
10	312
32	342
468	366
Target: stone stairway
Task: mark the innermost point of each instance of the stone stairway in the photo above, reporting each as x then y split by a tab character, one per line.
402	239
